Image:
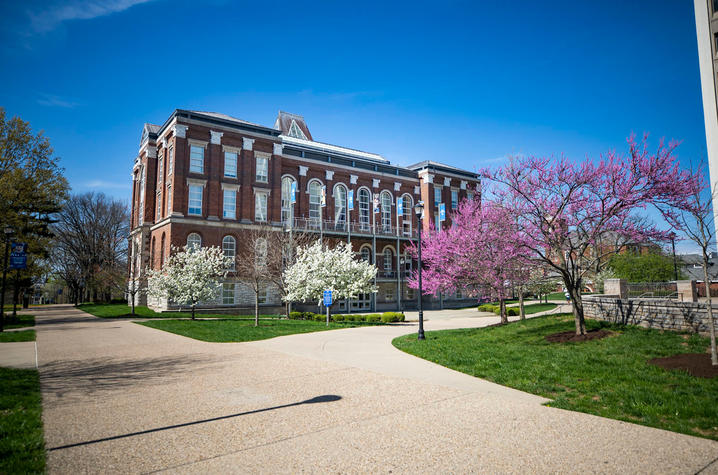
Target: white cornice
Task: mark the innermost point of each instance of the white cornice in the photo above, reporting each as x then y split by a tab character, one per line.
247	144
196	181
323	165
230	186
215	137
198	143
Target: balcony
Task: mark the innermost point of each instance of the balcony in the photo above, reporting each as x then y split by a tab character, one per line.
341	227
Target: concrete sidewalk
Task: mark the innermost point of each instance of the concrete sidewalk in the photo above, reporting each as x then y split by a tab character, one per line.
120	397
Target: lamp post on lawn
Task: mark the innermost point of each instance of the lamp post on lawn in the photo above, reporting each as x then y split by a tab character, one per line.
8	232
419	210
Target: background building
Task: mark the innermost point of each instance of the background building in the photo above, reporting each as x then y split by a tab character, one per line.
205	178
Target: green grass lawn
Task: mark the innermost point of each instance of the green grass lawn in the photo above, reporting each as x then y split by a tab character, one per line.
536	307
223	331
22	335
608	377
21	440
121	310
20	321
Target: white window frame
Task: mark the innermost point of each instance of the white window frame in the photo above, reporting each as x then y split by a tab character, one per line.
193	189
229	293
228	166
454	199
159	206
406	221
388	254
170	160
196	164
365	257
261	199
260	253
364	209
340	206
160	166
287	206
437	195
194	241
229	249
261	174
169	200
315	201
229	197
385	202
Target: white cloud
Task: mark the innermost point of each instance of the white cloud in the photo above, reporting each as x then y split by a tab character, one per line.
56	101
107	185
43	20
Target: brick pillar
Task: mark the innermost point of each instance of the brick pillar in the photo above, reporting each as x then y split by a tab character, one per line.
687	290
617	287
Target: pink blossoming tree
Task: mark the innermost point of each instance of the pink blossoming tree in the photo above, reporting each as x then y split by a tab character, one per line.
482	253
565	208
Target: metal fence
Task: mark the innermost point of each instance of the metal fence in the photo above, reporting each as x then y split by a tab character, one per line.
652	290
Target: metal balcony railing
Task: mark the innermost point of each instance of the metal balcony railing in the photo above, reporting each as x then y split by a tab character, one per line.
330	226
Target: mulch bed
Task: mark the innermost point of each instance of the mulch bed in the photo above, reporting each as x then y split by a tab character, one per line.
570	336
697	364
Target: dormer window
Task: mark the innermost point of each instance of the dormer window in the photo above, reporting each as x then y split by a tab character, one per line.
296	132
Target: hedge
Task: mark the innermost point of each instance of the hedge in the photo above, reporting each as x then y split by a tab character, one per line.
386	317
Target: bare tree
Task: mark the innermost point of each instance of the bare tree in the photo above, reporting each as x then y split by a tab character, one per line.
282	253
252	262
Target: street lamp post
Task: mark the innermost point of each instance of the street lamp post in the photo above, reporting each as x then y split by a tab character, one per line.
419	210
8	232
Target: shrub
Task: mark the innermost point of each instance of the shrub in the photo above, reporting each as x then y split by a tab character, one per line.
512	312
486	307
318	317
387	317
372	318
296	315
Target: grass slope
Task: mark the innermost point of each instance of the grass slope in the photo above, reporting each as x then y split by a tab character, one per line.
20	321
21	439
121	310
608	377
22	335
223	331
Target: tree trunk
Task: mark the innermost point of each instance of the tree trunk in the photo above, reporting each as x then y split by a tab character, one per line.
256	307
502	311
522	312
193	311
709	307
132	298
575	295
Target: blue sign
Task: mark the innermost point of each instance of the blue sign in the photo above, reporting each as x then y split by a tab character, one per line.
18	255
442	212
376	204
350	200
399	207
324	197
293	193
327	298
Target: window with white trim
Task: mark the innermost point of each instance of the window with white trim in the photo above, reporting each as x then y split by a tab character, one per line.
195	200
229	204
159	206
340	207
262	169
408	208
260	206
171	160
230	164
263	295
437	196
160	167
169	200
364	203
228	293
315	202
454	199
386	202
388	260
196	159
295	131
287	207
260	253
229	248
194	241
366	254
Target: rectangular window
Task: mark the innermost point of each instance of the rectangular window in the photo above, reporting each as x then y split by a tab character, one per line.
260	207
454	199
230	204
161	168
262	297
195	199
262	167
228	293
388	294
410	294
170	160
169	200
159	206
437	196
230	164
196	159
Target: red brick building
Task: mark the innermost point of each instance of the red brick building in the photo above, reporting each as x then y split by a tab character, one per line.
204	178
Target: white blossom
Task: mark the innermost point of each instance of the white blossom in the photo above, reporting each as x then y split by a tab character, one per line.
189	276
318	268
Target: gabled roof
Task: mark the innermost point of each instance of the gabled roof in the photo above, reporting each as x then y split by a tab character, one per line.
284	122
149	131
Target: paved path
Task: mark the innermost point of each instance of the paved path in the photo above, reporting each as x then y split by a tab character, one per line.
120	397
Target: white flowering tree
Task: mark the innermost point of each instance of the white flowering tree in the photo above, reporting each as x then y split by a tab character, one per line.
189	276
318	268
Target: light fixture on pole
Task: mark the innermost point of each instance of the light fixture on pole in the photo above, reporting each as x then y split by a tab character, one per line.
419	210
8	232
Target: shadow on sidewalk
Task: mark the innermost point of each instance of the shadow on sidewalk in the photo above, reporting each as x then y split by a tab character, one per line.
314	400
107	374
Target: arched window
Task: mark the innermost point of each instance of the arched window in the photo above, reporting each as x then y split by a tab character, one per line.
260	253
408	264
162	251
407	204
287	205
229	247
315	202
385	211
152	252
388	260
364	203
194	241
340	206
366	254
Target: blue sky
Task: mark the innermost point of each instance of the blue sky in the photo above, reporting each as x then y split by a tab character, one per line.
466	83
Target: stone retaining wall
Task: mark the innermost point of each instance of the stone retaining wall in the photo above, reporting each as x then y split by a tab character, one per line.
649	313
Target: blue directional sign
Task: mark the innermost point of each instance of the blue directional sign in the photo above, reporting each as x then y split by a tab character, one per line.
18	255
442	212
327	298
293	193
350	200
376	203
399	207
